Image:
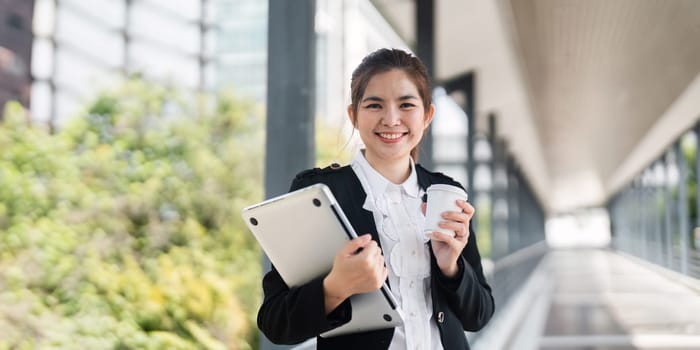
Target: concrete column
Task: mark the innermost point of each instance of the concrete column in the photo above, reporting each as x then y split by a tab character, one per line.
291	55
425	50
465	84
291	58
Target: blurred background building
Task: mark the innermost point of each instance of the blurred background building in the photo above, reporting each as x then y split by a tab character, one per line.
81	47
15	50
241	47
199	45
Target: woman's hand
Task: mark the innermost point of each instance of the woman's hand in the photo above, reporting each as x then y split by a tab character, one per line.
358	268
446	247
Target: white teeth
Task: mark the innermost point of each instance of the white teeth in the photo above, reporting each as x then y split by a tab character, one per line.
390	136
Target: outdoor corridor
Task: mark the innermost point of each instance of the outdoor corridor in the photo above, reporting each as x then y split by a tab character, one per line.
597	299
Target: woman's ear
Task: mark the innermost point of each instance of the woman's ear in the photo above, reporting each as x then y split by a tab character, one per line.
429	114
351	116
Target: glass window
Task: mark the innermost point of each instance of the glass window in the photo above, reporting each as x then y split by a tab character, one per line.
97	42
40	104
689	147
239	37
482	178
259	92
162	65
67	107
80	75
457	172
243	9
42	58
210	77
109	13
223	10
672	180
210	43
210	12
186	9
449	148
44	12
146	22
449	118
243	75
482	149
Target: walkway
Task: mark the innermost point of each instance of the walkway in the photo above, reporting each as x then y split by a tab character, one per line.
598	300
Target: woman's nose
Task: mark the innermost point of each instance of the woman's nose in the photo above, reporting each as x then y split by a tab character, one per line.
391	117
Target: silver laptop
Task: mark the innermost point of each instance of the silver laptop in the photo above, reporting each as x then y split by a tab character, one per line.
285	225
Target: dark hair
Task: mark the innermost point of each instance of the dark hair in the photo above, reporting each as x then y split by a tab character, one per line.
384	60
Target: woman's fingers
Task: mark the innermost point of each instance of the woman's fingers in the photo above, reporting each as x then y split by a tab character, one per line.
359	264
460	229
458	221
357	244
464	216
446	247
466	207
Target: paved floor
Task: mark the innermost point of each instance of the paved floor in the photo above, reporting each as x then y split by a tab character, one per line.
595	299
600	300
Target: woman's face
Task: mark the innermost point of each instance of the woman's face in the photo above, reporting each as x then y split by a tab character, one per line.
390	117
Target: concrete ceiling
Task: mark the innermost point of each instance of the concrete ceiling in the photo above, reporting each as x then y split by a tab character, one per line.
584	89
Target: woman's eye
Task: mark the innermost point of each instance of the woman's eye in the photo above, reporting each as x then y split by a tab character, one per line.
373	106
407	105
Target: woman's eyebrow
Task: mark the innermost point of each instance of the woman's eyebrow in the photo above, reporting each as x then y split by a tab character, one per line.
379	99
373	98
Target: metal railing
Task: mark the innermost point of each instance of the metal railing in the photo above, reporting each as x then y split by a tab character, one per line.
655	217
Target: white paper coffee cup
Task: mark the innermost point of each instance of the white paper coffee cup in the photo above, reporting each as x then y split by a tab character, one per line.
441	198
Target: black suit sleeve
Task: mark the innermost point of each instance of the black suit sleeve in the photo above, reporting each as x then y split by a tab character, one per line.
292	315
468	294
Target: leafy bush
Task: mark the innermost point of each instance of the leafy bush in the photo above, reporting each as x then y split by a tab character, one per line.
122	230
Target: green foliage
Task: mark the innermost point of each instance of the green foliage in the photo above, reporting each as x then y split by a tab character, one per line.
122	230
483	229
332	146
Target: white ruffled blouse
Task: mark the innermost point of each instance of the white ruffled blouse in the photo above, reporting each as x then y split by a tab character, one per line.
399	221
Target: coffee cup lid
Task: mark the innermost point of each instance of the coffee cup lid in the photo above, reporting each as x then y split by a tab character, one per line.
449	188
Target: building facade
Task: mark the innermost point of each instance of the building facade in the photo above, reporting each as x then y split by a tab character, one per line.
15	50
79	51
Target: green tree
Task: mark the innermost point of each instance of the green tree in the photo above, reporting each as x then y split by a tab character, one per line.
332	145
122	230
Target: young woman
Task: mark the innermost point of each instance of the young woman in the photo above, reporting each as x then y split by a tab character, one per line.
437	280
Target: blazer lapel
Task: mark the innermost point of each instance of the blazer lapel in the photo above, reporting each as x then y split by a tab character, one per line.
354	196
423	178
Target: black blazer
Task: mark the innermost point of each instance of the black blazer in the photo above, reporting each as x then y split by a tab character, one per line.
291	316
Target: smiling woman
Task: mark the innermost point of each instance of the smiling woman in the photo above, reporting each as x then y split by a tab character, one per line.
437	279
391	119
383	61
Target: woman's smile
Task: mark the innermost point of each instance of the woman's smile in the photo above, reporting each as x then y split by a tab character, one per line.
391	137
